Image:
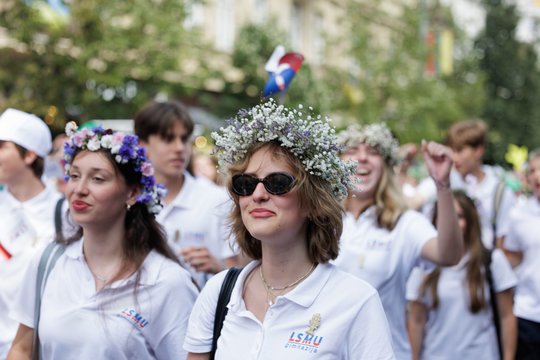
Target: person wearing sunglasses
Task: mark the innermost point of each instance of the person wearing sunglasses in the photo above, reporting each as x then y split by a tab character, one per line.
286	181
382	241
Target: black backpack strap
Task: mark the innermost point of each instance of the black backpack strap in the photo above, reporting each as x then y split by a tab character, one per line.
223	301
493	299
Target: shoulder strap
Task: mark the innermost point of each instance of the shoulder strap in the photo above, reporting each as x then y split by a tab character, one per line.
58	216
497	200
493	299
223	301
46	264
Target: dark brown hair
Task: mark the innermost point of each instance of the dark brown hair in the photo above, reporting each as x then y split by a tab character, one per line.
37	166
157	118
143	232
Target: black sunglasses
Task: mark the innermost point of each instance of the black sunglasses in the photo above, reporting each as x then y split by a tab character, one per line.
277	183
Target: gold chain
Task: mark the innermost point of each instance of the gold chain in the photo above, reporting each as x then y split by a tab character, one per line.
294	283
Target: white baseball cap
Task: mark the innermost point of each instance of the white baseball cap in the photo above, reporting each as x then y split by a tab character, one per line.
26	130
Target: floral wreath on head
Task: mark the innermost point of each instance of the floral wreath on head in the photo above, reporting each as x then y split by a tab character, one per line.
376	135
311	139
124	149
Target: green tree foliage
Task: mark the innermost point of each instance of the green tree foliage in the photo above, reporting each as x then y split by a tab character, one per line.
388	81
104	59
512	89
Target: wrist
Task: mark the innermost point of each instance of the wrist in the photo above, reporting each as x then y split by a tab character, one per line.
442	185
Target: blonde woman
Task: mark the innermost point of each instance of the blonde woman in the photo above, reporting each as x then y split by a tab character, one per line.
382	241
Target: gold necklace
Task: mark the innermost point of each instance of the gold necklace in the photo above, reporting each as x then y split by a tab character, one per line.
294	283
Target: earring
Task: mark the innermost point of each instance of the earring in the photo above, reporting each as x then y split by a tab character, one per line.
128	206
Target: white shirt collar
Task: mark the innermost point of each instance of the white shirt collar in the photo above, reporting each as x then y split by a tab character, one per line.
150	267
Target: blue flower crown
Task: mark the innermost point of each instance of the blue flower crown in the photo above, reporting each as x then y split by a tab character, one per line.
311	139
124	149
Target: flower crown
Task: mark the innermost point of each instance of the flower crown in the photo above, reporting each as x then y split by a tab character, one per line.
311	140
125	150
376	135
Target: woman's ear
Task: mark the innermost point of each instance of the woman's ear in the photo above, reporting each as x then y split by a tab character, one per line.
134	193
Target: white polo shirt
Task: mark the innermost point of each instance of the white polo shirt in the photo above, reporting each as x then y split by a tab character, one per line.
198	217
385	259
524	236
483	193
452	331
25	226
79	323
352	321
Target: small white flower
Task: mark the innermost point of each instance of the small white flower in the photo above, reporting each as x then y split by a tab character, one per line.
71	128
93	144
107	141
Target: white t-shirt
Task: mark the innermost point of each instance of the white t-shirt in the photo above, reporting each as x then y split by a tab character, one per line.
198	217
352	321
483	193
25	226
79	323
385	259
452	331
524	236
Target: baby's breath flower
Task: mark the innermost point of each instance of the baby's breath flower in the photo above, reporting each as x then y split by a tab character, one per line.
376	135
308	137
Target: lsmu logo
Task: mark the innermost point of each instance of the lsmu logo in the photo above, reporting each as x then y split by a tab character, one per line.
304	342
134	317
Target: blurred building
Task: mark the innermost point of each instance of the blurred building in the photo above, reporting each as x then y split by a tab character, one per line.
310	24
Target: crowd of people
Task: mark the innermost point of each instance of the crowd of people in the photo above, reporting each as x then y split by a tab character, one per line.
308	243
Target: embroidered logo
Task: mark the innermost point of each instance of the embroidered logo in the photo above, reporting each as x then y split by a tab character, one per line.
134	318
302	341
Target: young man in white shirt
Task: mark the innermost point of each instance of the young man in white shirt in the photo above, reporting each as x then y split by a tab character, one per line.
195	213
481	182
28	206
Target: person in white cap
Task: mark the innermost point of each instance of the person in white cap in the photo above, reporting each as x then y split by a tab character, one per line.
27	211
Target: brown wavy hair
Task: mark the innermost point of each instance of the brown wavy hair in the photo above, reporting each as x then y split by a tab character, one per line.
476	278
324	211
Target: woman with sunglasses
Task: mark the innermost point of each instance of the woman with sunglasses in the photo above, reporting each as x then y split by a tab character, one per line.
382	241
286	179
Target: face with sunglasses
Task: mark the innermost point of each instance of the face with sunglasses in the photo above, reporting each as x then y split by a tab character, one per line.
268	201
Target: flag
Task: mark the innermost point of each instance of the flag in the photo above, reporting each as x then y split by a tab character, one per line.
281	67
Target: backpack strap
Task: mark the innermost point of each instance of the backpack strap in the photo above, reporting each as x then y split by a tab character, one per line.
223	301
497	200
58	216
493	298
46	264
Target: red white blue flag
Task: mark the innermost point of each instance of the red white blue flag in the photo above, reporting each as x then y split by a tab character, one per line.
282	67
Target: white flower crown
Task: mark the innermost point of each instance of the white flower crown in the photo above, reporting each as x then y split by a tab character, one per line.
311	140
125	149
376	135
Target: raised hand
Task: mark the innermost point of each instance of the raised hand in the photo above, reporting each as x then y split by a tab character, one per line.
438	159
